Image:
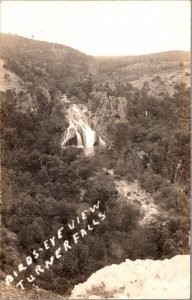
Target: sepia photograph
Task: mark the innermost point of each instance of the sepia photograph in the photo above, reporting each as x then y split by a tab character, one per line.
95	149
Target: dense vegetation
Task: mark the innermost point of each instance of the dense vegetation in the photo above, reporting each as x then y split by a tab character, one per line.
42	184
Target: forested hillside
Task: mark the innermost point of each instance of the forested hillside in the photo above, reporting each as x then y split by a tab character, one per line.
145	124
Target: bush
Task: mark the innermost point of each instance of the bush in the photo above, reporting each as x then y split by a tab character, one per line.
150	182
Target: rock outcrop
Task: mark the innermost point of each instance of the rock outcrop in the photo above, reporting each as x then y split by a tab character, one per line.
105	112
140	279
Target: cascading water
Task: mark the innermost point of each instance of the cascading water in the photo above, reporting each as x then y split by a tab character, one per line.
69	133
88	133
79	140
78	126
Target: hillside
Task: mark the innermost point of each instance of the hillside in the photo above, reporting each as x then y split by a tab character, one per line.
154	61
50	65
135	114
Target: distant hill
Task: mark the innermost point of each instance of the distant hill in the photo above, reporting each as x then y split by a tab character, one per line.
50	64
65	65
112	63
165	55
29	48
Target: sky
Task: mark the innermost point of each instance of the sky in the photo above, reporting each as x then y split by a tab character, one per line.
102	27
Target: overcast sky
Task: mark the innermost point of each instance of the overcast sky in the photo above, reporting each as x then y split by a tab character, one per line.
102	27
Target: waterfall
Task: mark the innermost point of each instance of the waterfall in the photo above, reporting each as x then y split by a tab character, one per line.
69	133
78	126
79	140
88	133
86	137
177	170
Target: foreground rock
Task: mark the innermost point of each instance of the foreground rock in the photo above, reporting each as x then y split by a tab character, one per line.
144	279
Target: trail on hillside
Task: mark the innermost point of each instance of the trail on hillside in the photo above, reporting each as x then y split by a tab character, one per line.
135	194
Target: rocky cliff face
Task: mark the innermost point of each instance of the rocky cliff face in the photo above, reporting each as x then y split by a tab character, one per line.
140	279
107	108
106	111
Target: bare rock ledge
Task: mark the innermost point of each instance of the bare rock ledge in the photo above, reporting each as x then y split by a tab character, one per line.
140	279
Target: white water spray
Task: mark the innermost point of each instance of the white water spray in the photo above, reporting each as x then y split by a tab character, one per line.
78	126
